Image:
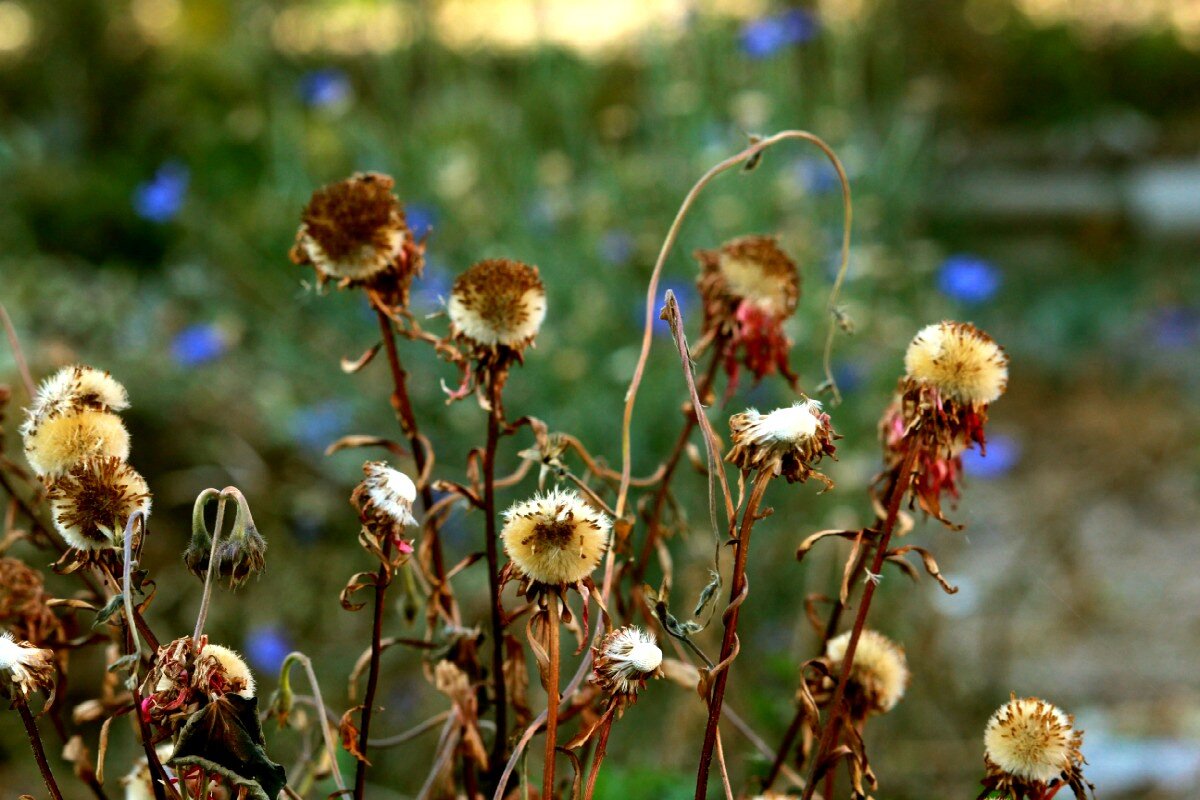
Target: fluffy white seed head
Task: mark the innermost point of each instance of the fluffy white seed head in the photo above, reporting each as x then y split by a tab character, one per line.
626	658
73	389
498	302
555	538
962	362
59	444
1031	739
880	672
24	667
790	425
390	492
235	668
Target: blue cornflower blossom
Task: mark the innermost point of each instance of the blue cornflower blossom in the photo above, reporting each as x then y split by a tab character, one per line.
198	344
968	279
324	88
1003	454
266	647
767	36
161	198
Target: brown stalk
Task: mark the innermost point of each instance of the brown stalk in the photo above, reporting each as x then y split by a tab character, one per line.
495	412
553	698
35	742
895	496
738	589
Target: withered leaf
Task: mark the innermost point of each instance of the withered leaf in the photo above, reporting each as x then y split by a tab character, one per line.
226	736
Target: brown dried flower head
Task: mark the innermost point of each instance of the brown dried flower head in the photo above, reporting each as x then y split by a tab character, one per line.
879	675
354	233
555	538
24	608
1030	744
92	503
624	659
749	287
498	304
788	441
24	668
962	363
183	680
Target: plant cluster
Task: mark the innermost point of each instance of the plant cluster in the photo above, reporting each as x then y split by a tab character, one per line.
576	551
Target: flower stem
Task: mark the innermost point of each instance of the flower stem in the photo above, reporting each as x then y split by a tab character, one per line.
598	758
898	489
738	589
213	566
552	697
382	579
500	745
35	742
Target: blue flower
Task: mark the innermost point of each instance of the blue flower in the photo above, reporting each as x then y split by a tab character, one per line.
314	427
1003	453
816	175
266	647
161	198
968	279
849	375
433	287
324	88
421	219
1176	327
767	36
198	344
616	247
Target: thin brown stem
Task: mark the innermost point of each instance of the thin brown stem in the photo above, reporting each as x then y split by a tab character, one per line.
382	579
898	489
552	696
598	758
18	354
738	589
495	423
35	742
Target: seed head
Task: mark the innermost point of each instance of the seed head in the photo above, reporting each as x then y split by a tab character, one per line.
388	494
625	658
59	444
92	503
879	675
753	268
74	389
962	362
788	441
216	663
555	538
1031	740
497	303
24	667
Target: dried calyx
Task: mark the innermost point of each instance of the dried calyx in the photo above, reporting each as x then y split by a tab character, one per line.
789	441
240	552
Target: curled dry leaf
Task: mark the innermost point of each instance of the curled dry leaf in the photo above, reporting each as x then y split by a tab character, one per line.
931	565
358	581
349	734
350	367
363	440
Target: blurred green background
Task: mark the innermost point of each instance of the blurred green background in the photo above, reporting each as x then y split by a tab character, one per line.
1030	165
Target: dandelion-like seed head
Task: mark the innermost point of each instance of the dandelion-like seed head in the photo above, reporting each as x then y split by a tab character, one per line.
24	667
498	302
92	503
555	538
354	231
788	441
58	444
962	362
753	268
388	493
880	672
1031	740
73	389
222	671
625	658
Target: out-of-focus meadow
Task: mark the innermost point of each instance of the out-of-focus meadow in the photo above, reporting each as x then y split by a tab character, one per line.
1029	165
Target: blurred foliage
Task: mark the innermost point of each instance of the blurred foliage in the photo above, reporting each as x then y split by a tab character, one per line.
153	174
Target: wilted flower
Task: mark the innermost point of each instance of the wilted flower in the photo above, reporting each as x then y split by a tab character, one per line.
496	305
878	676
624	659
788	441
23	667
354	233
24	605
183	680
962	363
750	287
92	503
1030	744
555	538
385	504
239	553
58	444
74	389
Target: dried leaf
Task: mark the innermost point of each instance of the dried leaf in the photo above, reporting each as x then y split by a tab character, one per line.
357	581
225	736
350	367
349	733
931	565
809	542
363	440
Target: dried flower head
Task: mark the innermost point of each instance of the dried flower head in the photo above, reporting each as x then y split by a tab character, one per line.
59	444
788	441
24	603
73	389
960	361
497	303
24	667
353	233
1029	741
624	659
183	680
879	675
92	503
749	287
555	538
222	671
387	494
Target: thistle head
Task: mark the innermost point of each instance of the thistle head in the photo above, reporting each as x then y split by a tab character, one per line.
92	503
73	389
386	495
624	659
353	233
555	538
879	675
788	441
58	444
1029	743
961	362
24	668
497	304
